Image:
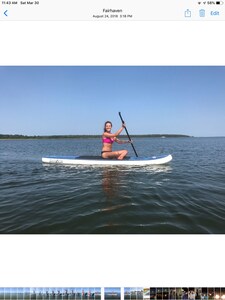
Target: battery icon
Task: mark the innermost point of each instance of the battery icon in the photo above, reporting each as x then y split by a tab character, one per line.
219	2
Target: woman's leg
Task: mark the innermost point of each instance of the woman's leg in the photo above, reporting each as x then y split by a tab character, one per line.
115	154
122	154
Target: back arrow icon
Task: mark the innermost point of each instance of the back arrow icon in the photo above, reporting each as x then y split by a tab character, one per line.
5	13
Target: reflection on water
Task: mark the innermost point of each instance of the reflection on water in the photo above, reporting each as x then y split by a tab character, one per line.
113	177
110	181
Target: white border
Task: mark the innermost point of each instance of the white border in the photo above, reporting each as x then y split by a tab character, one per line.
112	43
112	260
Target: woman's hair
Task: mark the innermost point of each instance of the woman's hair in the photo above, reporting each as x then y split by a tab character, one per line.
105	125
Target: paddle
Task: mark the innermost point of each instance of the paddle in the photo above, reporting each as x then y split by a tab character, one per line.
128	135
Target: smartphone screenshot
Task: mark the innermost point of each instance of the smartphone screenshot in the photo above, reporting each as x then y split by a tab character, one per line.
112	138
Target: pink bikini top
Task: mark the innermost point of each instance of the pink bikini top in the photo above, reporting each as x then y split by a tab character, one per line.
108	140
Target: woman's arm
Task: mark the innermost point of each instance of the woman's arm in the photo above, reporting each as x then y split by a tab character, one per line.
123	142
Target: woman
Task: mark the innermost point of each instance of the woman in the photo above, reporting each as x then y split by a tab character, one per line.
108	138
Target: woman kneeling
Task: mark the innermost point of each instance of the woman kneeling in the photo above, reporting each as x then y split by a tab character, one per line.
107	140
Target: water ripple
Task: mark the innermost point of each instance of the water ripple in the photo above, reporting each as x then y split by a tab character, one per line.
186	196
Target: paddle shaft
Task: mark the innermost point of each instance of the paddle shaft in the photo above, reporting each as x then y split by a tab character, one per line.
128	135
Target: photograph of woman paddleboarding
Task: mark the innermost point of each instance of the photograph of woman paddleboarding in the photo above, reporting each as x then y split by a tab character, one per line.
109	138
167	178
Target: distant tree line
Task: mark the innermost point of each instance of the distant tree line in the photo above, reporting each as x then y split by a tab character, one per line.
20	136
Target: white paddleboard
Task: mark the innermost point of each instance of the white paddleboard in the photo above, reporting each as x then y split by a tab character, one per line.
98	160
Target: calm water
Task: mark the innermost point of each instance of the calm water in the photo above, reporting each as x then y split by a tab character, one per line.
186	196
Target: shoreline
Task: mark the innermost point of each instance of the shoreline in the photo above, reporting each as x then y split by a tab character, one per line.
24	137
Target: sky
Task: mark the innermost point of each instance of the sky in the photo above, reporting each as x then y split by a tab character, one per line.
79	99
